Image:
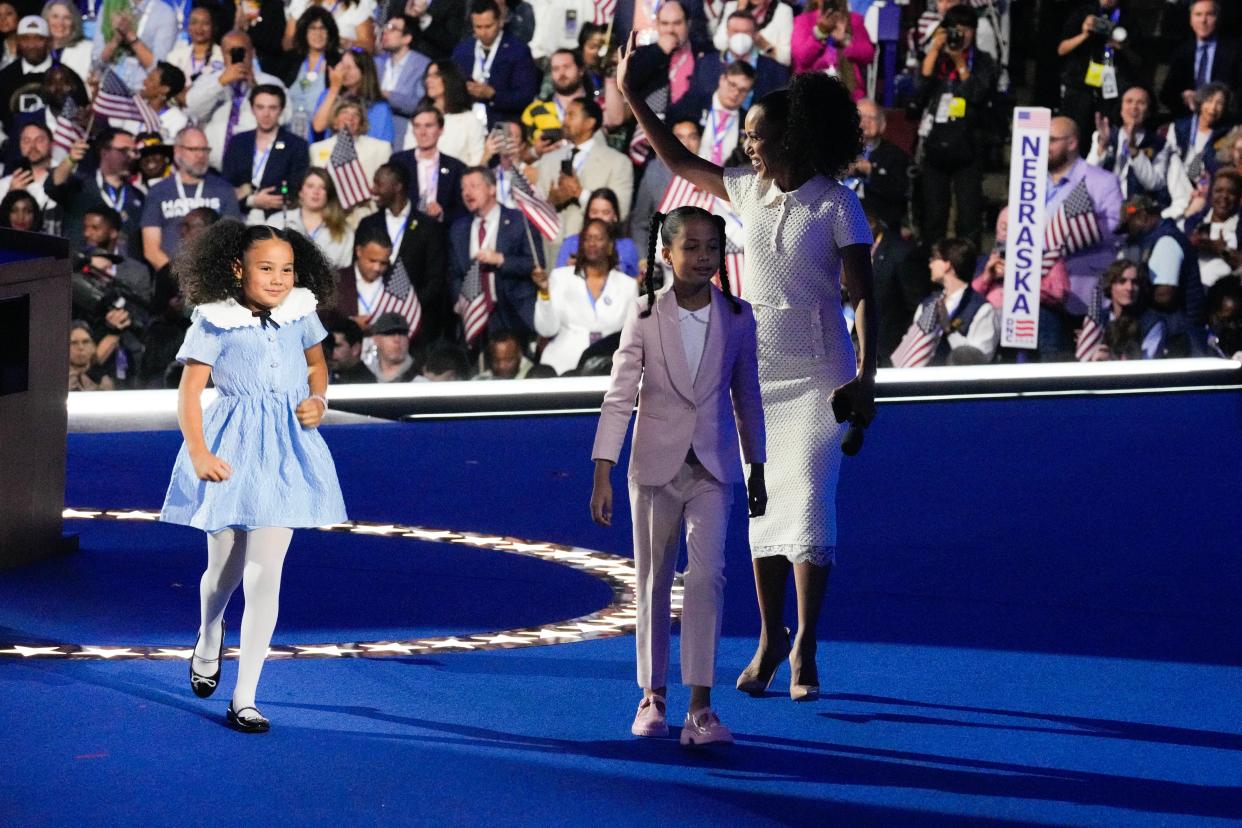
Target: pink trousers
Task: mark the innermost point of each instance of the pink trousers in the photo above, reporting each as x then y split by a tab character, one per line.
703	503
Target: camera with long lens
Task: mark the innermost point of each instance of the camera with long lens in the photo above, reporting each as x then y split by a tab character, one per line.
955	39
96	293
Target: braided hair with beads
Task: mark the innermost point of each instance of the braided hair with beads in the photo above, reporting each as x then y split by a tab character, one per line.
667	227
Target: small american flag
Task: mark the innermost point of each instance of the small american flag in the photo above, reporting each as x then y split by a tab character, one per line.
399	296
1073	227
681	193
605	10
537	210
640	147
347	173
479	291
114	101
918	346
1091	337
67	130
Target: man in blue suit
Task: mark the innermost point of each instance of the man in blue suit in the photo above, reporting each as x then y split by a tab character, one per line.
435	178
491	56
500	241
259	163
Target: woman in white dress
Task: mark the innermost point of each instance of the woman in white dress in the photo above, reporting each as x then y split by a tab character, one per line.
579	305
805	235
320	218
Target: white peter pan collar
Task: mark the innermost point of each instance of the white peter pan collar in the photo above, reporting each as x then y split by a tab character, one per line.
231	314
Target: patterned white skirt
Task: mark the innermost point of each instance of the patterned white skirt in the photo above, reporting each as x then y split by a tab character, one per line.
796	378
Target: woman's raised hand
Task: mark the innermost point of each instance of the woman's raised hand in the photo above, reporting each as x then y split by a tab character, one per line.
623	64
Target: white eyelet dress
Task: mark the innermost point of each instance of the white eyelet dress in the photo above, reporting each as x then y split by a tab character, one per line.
792	278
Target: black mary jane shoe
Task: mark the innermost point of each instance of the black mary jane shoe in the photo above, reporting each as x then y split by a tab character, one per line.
203	686
248	724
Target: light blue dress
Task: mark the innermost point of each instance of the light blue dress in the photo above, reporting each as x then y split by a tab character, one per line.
283	474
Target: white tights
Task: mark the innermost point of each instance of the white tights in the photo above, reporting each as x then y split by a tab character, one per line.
253	559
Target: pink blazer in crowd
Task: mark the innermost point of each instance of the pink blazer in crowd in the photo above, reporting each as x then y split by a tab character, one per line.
675	413
812	55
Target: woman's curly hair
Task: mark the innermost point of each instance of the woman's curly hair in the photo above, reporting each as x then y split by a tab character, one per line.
802	110
205	266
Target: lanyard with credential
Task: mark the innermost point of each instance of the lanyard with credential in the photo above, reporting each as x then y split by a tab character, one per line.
260	163
198	190
720	130
483	66
396	237
113	197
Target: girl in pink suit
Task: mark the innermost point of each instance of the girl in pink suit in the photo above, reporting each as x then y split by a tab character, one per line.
693	348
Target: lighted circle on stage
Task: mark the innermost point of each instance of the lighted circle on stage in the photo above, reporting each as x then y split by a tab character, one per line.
617	618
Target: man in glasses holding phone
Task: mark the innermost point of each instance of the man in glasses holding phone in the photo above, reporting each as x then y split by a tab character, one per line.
219	101
80	187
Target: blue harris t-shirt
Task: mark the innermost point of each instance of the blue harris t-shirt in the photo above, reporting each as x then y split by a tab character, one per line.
170	200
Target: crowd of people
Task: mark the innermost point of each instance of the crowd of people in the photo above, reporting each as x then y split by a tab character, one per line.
472	170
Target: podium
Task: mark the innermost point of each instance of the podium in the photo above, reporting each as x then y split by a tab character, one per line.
34	366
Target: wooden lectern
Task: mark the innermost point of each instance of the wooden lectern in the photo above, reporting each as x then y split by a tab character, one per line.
34	365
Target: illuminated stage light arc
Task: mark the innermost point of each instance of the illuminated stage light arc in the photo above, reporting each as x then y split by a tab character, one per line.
618	618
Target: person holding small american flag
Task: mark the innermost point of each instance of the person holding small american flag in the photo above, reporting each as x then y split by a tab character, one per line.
491	256
1128	327
965	319
418	246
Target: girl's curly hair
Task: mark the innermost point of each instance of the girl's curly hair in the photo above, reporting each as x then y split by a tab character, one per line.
800	112
205	266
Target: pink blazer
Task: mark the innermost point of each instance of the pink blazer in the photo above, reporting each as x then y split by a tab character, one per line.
675	414
813	55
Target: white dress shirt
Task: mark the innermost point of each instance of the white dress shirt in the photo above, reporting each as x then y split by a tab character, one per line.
693	326
368	292
396	228
489	238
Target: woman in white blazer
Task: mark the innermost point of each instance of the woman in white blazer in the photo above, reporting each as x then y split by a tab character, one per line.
580	305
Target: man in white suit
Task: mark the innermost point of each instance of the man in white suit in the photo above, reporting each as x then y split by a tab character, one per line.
373	153
567	176
218	101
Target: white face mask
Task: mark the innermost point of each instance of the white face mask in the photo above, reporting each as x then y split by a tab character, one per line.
741	43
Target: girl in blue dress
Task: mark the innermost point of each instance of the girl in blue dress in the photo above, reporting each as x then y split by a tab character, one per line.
253	466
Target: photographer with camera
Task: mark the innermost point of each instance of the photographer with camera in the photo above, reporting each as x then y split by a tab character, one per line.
958	83
111	294
1097	63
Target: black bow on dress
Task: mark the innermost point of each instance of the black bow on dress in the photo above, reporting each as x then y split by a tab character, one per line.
265	318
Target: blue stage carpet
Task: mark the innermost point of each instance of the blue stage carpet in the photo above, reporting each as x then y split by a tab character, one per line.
1037	619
